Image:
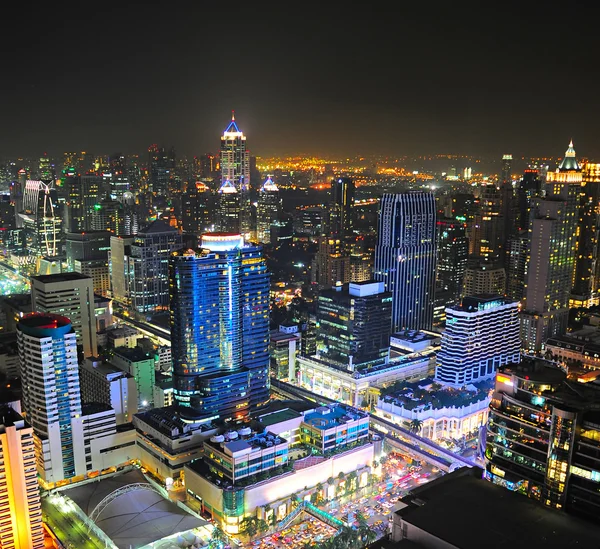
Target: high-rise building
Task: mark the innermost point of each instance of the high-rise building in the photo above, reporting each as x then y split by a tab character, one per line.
405	257
354	325
48	359
481	334
331	263
341	208
509	210
86	246
268	210
219	328
552	253
39	217
118	267
161	164
228	212
149	267
487	238
197	207
20	508
83	192
453	253
530	187
543	438
108	214
70	295
585	286
483	278
516	265
235	168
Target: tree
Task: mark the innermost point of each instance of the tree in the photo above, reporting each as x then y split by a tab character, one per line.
249	526
415	425
341	475
331	481
218	538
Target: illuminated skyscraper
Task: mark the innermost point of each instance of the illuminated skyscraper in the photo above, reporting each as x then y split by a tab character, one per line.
585	286
405	257
228	203
341	207
481	334
552	252
219	328
267	211
453	252
48	360
235	168
197	209
20	508
149	267
161	164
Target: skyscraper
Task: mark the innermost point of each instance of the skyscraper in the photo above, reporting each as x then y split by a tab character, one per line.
149	267
267	211
453	253
341	207
354	325
48	358
70	295
405	257
481	334
20	508
585	286
219	328
552	251
228	204
235	168
161	164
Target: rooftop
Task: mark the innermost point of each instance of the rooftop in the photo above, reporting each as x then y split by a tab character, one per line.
91	408
280	416
416	336
135	354
535	369
463	510
60	277
327	417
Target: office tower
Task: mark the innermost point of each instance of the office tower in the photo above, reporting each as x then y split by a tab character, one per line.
20	508
228	208
453	252
109	385
543	437
46	169
509	209
118	267
487	239
483	278
516	265
268	210
585	288
119	177
552	253
235	168
405	257
341	207
219	328
481	335
84	193
108	215
197	207
149	267
530	187
161	165
354	325
361	267
331	263
86	246
39	217
141	366
16	196
70	295
48	359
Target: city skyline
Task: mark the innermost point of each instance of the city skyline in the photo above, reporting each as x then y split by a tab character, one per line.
332	84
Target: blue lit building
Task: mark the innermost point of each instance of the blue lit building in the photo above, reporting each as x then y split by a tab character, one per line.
405	257
219	328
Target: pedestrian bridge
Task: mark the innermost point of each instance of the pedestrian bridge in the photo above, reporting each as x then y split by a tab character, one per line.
313	510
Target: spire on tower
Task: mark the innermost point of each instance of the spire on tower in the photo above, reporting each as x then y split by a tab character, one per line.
232	115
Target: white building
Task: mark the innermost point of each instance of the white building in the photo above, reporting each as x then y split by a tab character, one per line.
70	295
480	335
20	508
70	442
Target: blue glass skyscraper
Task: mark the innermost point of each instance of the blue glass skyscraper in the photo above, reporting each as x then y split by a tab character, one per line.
405	257
219	328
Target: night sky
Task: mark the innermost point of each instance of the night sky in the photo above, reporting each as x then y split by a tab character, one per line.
310	80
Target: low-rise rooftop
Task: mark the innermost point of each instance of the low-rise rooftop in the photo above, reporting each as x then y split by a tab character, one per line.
327	417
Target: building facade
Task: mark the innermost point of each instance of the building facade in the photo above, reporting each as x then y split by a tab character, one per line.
481	335
405	257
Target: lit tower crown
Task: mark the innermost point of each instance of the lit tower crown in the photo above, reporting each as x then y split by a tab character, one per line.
235	168
269	186
569	162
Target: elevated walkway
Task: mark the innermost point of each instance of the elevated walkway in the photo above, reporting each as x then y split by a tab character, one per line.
307	507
